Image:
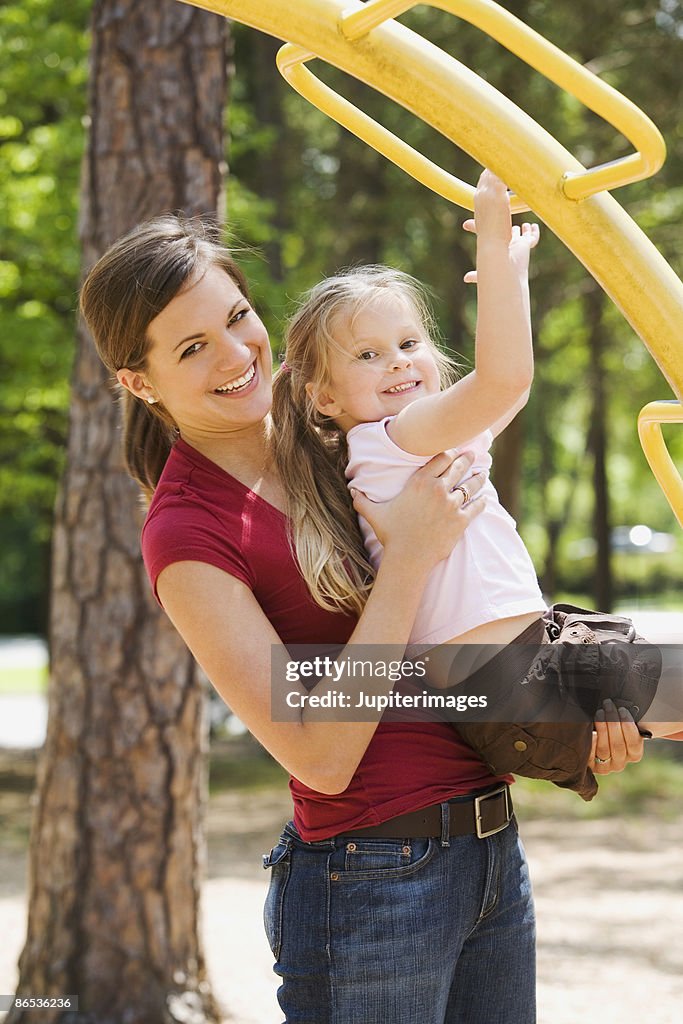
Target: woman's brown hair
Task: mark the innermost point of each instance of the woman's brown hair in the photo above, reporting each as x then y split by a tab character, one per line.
126	289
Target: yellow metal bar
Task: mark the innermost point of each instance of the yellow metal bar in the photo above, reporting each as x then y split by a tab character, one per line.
550	61
356	23
524	43
291	61
662	465
467	110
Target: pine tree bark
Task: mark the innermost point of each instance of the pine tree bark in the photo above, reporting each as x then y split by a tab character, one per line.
116	850
270	176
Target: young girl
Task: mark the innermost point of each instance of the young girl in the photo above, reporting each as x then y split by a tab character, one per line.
361	366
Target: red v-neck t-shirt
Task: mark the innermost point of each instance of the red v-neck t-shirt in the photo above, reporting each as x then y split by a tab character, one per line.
200	513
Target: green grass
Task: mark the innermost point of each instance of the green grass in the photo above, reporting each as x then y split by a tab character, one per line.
652	787
243	764
23	679
666	601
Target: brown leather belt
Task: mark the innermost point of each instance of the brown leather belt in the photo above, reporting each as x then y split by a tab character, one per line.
482	815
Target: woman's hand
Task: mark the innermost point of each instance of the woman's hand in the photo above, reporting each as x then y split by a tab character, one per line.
616	740
431	513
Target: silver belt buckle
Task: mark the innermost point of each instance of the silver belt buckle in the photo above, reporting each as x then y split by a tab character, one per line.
479	800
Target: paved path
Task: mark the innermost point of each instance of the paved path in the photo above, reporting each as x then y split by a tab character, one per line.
23	716
659	627
22	650
23	721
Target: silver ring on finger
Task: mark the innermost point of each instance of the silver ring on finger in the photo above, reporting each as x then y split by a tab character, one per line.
466	496
602	760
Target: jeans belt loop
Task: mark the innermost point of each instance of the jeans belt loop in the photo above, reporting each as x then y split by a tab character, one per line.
445	825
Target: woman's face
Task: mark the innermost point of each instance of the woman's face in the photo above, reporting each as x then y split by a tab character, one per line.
209	361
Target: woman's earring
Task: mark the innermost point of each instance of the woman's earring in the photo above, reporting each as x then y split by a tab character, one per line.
152	400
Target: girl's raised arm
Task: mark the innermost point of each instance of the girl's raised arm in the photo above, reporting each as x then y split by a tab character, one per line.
489	397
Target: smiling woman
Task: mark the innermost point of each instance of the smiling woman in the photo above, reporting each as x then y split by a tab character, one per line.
209	338
195	371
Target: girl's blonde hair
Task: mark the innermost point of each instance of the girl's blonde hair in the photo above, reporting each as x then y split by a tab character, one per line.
310	450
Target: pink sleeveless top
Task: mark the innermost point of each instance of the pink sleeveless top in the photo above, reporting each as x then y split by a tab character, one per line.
488	575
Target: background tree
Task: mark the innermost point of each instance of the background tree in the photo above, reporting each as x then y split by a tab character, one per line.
43	74
116	851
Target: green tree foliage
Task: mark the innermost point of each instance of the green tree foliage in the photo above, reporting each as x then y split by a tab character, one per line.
344	205
43	74
306	198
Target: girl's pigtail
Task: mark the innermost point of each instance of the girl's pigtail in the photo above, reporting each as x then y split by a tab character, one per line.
310	451
325	535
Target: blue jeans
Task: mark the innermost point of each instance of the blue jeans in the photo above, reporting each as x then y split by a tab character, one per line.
407	931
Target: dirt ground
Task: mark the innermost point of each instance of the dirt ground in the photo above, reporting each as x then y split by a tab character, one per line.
609	899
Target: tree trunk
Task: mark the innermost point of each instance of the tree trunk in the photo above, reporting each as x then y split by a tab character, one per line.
597	445
116	849
553	518
268	177
361	195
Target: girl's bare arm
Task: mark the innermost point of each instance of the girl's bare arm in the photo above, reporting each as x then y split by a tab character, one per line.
493	393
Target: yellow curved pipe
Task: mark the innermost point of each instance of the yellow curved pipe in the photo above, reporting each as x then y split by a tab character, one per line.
555	65
542	173
650	423
291	61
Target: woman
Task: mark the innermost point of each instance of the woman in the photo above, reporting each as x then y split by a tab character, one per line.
400	891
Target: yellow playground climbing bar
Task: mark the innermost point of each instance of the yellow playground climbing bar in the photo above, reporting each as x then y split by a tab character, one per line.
367	42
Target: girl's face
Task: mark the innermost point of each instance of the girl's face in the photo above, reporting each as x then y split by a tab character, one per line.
209	361
382	361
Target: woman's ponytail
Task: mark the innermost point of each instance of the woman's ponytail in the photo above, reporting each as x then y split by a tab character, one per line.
147	442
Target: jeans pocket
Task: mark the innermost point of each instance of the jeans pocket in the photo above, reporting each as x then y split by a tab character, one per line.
278	860
381	858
